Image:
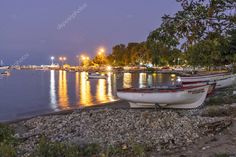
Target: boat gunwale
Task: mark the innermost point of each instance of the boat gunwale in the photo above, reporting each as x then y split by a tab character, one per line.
205	76
152	90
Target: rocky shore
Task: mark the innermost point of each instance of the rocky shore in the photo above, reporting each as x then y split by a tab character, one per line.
115	130
159	131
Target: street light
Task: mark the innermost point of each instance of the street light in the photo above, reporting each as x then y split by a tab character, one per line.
101	51
62	59
52	58
84	59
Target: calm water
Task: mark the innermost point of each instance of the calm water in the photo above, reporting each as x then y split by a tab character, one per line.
28	93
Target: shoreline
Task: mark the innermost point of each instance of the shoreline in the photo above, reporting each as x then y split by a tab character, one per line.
161	132
119	104
206	131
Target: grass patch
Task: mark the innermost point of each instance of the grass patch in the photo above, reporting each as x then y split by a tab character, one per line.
135	150
46	148
218	111
7	150
7	141
222	155
219	100
139	150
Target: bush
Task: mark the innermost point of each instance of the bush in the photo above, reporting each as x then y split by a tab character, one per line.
7	141
139	150
57	149
136	150
6	134
222	155
91	149
7	150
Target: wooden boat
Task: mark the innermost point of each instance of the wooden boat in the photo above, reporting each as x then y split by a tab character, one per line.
96	76
179	97
222	80
212	85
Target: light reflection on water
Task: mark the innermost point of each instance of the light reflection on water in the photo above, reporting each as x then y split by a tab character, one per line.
60	90
127	80
142	80
53	97
85	91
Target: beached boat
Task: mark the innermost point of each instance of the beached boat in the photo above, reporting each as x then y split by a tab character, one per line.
179	97
96	76
222	80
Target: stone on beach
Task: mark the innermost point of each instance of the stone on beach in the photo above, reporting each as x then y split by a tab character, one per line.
159	130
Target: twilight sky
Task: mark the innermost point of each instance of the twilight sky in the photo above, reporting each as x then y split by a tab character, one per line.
31	26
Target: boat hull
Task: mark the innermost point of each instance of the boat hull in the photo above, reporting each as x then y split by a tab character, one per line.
4	67
190	98
222	81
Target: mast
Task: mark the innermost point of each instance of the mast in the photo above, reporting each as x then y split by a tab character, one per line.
1	63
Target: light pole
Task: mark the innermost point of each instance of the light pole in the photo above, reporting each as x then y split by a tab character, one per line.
52	59
101	51
84	60
62	60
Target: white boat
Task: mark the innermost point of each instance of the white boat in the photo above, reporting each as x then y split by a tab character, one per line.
4	67
182	97
97	76
222	80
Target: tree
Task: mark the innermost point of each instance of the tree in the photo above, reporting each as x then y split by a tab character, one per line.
117	58
161	43
209	52
197	19
232	45
133	54
202	25
100	59
176	57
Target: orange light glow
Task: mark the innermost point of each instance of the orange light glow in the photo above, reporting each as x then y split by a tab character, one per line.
63	91
85	91
142	80
101	91
127	80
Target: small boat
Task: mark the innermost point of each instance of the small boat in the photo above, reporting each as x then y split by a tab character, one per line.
211	89
96	76
4	67
222	80
179	97
5	73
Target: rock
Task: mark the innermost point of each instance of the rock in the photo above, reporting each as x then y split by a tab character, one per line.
233	105
162	130
215	127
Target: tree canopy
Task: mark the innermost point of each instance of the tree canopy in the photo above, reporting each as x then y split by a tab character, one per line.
202	33
202	26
